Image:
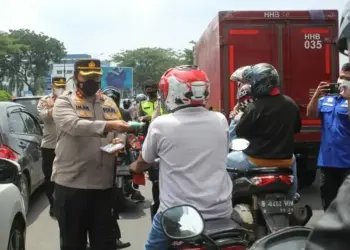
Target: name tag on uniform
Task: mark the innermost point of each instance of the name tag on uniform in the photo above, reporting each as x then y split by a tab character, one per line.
109	113
83	111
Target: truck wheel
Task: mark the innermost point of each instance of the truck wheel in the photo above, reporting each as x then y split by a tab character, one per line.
306	178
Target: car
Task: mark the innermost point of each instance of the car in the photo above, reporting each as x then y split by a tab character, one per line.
20	141
31	103
12	208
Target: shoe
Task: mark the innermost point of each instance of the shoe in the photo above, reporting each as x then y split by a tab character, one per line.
137	196
121	245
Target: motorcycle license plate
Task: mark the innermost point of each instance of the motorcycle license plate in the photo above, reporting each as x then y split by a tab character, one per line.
122	171
276	204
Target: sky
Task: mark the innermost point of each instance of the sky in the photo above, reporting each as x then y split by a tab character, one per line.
103	27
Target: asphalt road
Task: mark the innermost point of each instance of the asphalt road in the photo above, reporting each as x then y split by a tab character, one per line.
42	233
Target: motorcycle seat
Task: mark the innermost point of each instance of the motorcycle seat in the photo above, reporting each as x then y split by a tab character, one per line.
262	170
220	225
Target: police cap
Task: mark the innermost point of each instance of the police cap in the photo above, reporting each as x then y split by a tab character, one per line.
59	82
88	67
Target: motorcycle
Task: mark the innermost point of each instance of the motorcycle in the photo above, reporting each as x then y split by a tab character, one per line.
185	226
261	197
291	238
124	180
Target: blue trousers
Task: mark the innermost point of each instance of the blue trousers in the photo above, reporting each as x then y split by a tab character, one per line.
157	240
238	159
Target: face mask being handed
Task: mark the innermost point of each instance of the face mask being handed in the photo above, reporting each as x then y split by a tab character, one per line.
57	92
89	87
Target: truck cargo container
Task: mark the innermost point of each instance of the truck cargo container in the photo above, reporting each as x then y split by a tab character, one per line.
300	44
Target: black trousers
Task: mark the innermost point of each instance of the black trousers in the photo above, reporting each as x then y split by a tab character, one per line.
331	179
83	213
48	158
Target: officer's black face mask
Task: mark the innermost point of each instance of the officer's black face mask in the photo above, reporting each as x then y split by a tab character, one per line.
89	87
152	95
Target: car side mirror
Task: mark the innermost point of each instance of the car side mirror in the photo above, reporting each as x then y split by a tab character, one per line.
182	222
9	171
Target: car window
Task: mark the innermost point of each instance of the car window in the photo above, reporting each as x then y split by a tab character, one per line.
16	124
30	104
32	126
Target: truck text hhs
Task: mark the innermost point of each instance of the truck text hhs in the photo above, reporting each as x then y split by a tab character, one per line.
300	44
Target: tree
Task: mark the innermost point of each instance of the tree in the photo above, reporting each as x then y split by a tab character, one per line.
9	45
5	96
148	63
28	64
188	54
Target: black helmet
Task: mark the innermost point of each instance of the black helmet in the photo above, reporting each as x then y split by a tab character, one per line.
126	104
263	77
150	86
112	93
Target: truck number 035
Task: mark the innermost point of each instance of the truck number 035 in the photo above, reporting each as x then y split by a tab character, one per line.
313	44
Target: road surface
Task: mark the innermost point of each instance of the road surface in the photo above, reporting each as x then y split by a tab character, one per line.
42	233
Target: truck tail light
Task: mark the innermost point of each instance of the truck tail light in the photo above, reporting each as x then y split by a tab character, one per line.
7	153
268	179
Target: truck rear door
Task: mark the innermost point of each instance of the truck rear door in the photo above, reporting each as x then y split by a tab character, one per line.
310	56
246	44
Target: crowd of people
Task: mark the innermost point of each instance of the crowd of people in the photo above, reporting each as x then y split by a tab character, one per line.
190	141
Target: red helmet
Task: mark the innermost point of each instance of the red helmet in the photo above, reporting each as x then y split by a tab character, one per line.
184	86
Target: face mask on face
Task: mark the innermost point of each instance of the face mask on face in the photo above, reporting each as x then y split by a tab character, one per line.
89	87
152	95
57	92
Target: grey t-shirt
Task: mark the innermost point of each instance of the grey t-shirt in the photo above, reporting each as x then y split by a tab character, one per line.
192	145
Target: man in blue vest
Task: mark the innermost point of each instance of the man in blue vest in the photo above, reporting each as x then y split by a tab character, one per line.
334	155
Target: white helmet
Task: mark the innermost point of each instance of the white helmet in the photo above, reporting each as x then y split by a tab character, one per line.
184	86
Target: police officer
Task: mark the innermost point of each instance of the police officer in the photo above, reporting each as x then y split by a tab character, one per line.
148	107
334	155
86	120
48	142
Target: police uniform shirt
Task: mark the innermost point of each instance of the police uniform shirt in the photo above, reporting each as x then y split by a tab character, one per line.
49	131
335	132
80	122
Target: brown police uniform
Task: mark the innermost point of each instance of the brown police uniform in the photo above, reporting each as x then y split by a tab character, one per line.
83	173
48	142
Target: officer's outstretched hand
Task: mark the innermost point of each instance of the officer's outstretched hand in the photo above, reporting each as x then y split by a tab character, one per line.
121	126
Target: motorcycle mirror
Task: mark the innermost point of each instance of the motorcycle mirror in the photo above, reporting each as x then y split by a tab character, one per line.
239	144
9	171
182	222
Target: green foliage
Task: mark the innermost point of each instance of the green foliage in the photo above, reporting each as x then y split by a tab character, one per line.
5	96
30	61
151	63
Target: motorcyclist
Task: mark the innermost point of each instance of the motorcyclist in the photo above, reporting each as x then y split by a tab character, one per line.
192	145
134	108
269	123
244	98
115	95
147	107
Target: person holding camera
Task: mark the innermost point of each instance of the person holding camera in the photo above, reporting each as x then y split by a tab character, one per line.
330	104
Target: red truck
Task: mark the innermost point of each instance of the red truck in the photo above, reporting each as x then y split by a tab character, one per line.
300	44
